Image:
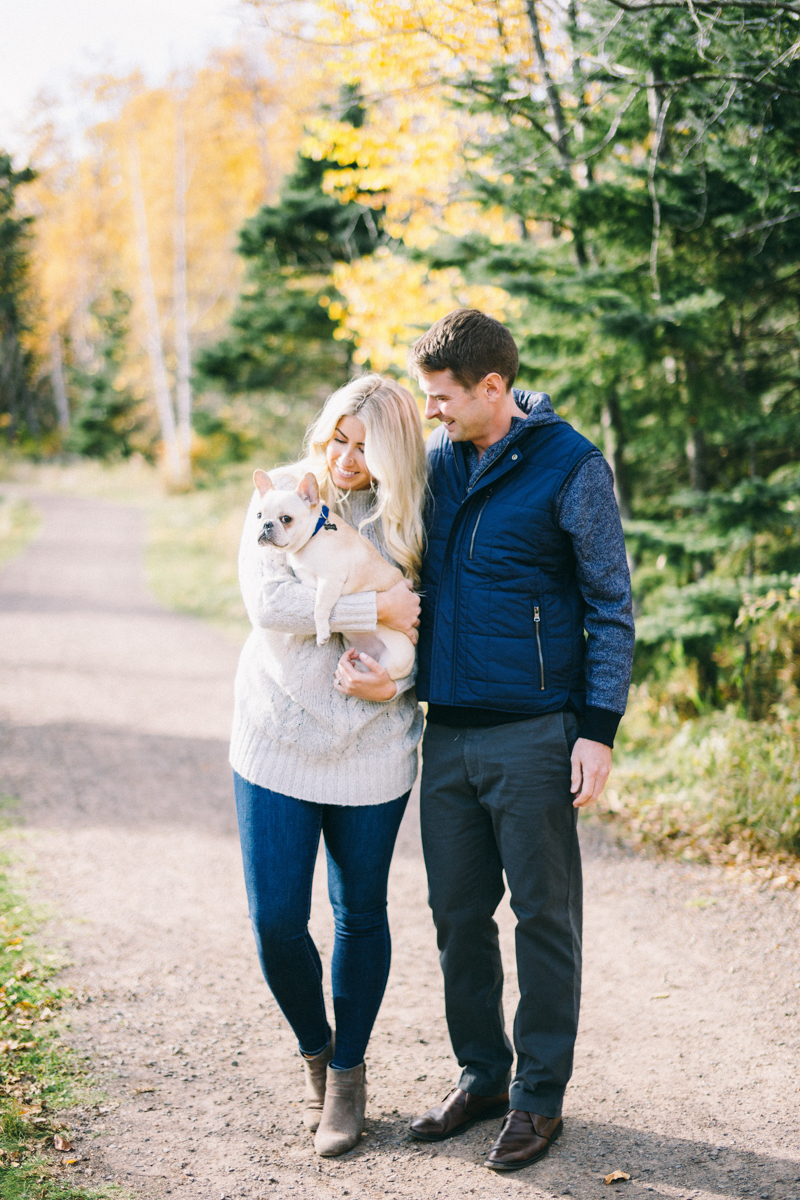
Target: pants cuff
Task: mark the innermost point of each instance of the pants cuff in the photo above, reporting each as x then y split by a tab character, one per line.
479	1084
534	1100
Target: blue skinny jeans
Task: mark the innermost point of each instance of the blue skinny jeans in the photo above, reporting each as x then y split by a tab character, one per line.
279	837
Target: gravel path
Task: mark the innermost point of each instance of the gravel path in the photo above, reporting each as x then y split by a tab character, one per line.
113	722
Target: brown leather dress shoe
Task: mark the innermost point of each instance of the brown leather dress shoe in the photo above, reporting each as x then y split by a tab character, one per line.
524	1138
457	1112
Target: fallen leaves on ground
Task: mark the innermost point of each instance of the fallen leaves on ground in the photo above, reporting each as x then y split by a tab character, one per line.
62	1143
617	1177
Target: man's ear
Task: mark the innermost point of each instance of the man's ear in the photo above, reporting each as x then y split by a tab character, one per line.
308	489
263	482
495	386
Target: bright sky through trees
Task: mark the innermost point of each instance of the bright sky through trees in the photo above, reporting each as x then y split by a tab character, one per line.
46	44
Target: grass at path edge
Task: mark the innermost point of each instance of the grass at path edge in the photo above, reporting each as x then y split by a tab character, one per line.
38	1075
718	789
19	523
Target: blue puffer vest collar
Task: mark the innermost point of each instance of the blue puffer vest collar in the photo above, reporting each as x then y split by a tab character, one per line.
502	614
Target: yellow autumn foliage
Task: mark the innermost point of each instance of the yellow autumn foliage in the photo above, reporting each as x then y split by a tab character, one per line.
391	301
240	127
409	154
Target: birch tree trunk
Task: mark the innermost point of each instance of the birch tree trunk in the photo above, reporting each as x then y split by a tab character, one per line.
57	380
182	345
173	457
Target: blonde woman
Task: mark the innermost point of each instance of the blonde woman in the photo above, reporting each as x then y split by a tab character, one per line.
320	747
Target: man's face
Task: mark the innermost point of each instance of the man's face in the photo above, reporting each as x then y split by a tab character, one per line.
464	412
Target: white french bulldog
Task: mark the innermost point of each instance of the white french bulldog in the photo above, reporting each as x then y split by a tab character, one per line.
335	559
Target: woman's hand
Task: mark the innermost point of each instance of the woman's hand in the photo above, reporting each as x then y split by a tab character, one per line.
399	609
367	681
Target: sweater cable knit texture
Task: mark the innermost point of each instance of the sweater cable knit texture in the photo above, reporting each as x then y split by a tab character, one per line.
292	733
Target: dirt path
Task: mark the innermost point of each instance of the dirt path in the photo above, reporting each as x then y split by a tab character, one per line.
113	723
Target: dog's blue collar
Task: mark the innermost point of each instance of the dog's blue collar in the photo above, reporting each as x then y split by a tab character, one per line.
323	522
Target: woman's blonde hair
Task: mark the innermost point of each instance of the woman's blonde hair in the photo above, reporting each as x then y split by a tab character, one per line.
394	452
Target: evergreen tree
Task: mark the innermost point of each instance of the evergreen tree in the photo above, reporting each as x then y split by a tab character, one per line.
282	336
655	187
668	285
18	397
105	422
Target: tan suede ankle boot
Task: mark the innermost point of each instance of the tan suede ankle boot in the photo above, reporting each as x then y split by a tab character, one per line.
343	1113
314	1096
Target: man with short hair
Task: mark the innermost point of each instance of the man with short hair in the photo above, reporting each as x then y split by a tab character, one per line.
525	652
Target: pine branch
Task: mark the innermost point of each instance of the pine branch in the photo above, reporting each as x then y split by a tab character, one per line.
713	6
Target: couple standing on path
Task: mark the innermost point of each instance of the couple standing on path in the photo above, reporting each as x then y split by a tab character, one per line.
511	534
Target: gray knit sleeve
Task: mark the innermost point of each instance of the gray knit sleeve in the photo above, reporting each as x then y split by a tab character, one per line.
276	599
587	511
405	685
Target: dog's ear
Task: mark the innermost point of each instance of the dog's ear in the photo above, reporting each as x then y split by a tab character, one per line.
262	481
308	489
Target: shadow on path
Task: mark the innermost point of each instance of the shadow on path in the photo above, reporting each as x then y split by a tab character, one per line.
670	1166
67	776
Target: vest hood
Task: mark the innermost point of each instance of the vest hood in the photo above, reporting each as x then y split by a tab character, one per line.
538	407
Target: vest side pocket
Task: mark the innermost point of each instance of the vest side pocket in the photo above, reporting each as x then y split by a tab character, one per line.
537	625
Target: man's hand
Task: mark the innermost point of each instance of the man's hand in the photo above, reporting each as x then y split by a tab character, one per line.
361	676
591	764
399	609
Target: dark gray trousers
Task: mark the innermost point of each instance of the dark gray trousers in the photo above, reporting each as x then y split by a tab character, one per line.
497	800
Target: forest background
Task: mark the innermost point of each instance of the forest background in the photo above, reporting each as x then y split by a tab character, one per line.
182	285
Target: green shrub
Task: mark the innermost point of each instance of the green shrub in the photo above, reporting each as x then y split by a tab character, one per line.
717	788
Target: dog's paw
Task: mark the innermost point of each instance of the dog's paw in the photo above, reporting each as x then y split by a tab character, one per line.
323	638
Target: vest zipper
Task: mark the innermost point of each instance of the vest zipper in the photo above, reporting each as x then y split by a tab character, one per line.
477	523
536	624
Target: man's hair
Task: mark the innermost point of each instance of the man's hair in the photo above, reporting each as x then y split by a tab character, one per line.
470	345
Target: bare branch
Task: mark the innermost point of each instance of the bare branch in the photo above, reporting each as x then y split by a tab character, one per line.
549	86
519	164
651	187
787	54
703	36
707	125
714	5
762	225
615	124
486	90
735	76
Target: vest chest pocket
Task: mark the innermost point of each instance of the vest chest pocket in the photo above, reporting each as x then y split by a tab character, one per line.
476	525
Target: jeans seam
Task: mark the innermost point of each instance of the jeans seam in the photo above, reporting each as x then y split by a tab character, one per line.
310	891
307	936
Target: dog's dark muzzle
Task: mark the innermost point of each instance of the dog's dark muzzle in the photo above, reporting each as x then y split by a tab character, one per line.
267	535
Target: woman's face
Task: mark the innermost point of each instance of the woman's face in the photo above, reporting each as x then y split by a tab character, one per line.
345	455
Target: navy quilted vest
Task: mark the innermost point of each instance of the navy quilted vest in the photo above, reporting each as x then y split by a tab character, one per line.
502	615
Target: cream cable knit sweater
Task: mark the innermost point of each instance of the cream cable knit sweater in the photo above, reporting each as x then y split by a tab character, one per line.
292	733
